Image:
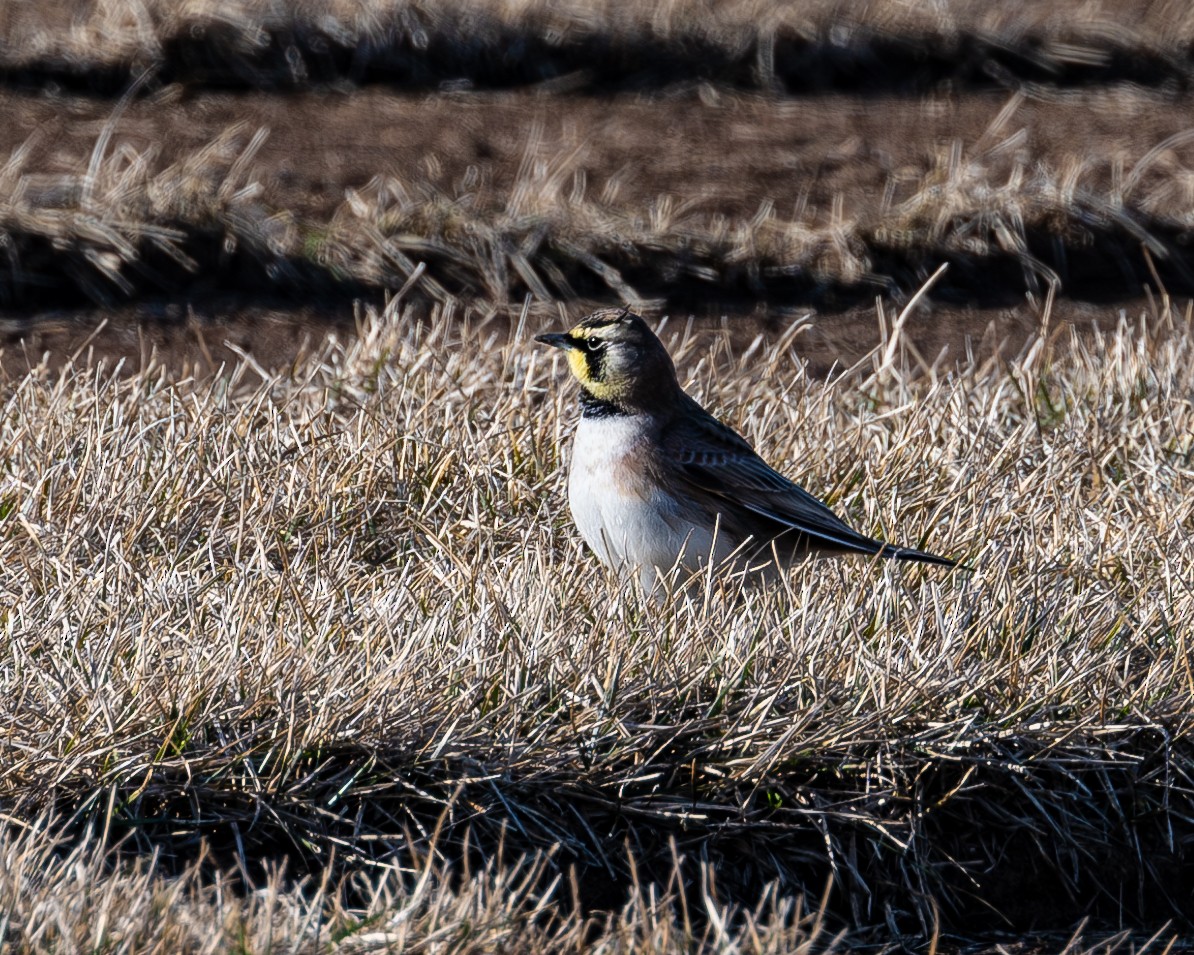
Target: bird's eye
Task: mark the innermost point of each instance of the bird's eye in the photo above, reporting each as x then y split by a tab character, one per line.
594	344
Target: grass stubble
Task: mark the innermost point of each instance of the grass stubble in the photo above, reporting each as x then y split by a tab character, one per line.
315	661
124	224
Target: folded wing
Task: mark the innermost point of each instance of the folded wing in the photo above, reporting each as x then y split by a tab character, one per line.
763	503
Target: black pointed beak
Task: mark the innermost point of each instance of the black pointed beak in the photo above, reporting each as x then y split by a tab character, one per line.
556	340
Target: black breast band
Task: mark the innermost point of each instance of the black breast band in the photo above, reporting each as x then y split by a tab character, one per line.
593	407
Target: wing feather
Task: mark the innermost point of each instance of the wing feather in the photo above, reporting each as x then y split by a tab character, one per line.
716	460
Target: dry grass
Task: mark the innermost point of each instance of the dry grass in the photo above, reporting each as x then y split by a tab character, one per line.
125	225
340	618
751	42
67	896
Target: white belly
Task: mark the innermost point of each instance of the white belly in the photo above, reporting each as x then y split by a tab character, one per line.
630	522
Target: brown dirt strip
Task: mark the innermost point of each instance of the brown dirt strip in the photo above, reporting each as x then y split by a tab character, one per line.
678	194
200	339
726	153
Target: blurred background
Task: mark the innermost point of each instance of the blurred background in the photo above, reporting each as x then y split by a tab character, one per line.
190	174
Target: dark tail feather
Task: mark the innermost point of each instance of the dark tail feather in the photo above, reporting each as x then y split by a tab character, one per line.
919	556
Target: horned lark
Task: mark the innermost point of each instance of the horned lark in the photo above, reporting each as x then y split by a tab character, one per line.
657	482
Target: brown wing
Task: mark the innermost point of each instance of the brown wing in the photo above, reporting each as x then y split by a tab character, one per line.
717	461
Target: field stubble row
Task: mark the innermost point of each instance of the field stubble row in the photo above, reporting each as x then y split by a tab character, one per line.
506	196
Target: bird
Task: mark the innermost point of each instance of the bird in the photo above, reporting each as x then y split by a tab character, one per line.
656	482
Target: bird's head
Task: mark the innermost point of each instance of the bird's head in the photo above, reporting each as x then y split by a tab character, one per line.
617	359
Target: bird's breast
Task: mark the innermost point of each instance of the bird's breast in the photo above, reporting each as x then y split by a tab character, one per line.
621	504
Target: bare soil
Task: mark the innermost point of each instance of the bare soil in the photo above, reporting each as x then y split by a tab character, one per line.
723	151
725	155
